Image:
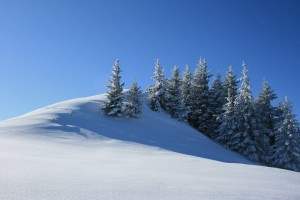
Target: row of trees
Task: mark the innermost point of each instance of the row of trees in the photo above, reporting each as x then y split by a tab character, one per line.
225	112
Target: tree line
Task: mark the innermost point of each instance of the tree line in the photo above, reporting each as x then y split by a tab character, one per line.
226	112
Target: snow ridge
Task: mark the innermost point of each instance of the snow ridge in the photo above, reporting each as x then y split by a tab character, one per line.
70	150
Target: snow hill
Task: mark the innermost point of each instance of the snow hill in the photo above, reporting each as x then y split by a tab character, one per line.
69	150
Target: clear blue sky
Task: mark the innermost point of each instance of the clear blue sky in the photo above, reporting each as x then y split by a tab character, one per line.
54	50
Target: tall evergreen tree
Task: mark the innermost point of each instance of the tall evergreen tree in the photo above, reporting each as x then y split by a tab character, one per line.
265	116
174	102
113	105
217	98
186	86
199	104
286	150
244	139
156	92
228	121
133	105
231	84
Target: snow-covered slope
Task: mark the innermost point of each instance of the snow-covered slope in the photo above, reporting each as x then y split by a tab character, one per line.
70	150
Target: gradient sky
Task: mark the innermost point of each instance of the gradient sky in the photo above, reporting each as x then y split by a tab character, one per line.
54	50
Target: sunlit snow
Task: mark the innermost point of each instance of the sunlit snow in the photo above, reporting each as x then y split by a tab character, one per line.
71	151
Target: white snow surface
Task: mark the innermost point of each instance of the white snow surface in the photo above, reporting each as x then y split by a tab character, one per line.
71	151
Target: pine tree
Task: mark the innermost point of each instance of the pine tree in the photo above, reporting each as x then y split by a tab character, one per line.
231	84
133	105
113	105
174	99
217	100
186	86
199	104
227	120
244	139
286	150
156	92
265	116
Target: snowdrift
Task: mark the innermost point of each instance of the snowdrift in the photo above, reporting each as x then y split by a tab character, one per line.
70	150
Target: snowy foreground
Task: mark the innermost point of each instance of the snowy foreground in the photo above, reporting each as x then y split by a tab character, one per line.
70	151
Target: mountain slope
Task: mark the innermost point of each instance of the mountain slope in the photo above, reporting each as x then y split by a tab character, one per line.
70	150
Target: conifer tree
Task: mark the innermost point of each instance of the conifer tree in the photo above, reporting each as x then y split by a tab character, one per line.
217	100
133	105
174	99
113	105
156	92
231	84
228	122
244	139
199	104
286	150
265	115
186	86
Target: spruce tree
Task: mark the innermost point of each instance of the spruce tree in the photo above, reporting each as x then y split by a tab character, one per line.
217	100
265	116
286	150
156	92
174	99
244	139
113	105
133	105
231	84
199	104
228	120
186	86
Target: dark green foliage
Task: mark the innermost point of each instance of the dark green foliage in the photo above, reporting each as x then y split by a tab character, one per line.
133	104
156	92
174	103
186	87
286	150
199	103
245	133
217	100
265	115
113	105
227	120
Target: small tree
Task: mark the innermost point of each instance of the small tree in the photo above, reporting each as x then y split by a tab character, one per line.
133	105
113	105
156	92
286	150
174	99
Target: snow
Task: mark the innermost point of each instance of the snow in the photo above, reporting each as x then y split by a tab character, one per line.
69	150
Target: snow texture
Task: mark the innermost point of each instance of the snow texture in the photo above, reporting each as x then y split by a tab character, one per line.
71	150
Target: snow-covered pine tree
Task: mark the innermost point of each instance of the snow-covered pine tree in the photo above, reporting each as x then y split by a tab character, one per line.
133	104
199	101
265	116
244	139
231	84
228	119
186	86
278	115
286	150
113	105
174	104
156	92
217	98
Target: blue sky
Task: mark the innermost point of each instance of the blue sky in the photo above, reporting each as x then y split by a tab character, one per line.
57	50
